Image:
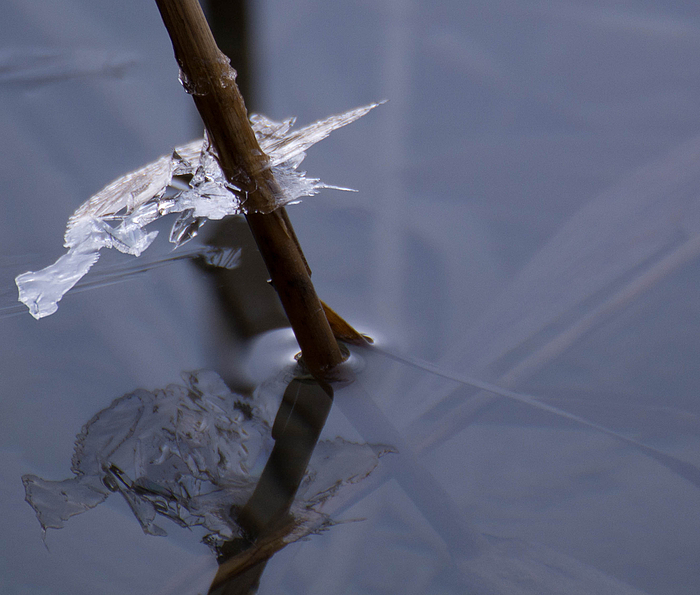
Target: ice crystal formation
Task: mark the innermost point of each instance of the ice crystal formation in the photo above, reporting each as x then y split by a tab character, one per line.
117	216
31	67
189	453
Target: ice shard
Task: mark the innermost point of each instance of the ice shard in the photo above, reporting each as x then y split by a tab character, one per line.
189	453
116	217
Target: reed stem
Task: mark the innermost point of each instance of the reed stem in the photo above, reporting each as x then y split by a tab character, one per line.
208	76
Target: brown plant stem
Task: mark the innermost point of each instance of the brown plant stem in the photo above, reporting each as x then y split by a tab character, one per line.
208	76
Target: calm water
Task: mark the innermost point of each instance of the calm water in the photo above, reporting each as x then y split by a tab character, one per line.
527	215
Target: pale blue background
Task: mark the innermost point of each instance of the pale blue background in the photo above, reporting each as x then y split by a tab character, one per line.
527	212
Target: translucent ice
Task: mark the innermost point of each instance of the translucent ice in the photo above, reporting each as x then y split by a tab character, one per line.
116	216
189	453
30	67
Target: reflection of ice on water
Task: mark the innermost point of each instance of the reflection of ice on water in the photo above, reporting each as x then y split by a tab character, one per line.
189	453
180	452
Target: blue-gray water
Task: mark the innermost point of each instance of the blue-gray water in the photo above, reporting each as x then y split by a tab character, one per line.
527	214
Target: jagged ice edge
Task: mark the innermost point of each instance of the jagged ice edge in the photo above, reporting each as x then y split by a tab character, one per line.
116	216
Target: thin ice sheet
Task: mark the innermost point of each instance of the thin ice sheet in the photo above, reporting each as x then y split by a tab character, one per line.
116	217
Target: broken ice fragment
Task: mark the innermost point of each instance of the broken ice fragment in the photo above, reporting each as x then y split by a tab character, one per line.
282	145
188	453
185	228
116	216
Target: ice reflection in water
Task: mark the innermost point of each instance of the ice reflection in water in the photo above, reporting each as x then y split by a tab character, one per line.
191	453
